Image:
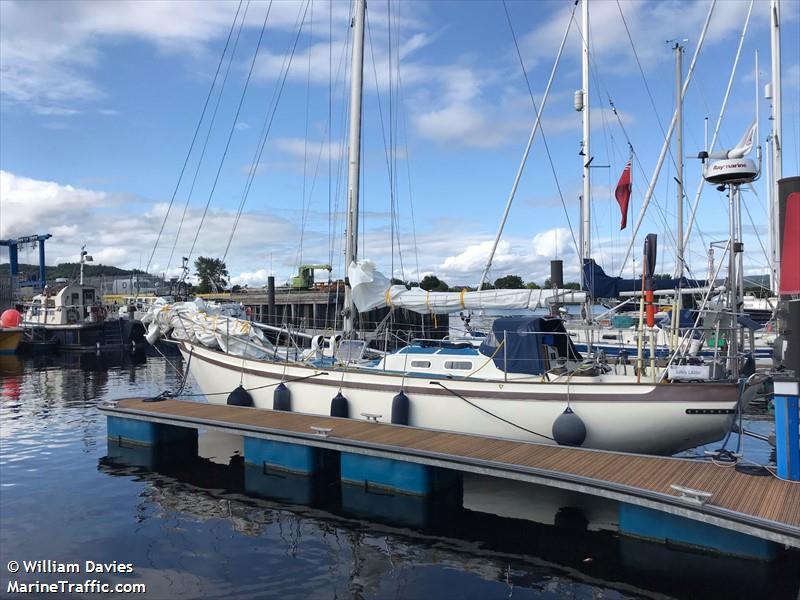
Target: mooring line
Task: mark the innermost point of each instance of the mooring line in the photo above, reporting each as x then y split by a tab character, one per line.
457	395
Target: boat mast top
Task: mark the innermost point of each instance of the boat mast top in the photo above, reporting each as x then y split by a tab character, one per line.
84	259
354	159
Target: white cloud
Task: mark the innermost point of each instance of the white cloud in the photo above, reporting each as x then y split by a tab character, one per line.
50	50
553	243
110	255
311	149
113	235
528	258
649	22
473	258
251	278
29	204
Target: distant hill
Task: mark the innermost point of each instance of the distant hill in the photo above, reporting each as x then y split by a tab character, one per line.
68	270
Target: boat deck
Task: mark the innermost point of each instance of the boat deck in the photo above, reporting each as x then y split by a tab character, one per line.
762	506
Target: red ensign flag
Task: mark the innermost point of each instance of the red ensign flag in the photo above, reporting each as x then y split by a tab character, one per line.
623	194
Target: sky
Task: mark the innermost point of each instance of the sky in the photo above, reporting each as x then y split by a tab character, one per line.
100	104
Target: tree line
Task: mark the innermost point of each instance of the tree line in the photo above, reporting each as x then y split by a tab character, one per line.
212	274
432	283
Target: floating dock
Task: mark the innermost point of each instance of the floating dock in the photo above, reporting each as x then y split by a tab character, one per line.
684	501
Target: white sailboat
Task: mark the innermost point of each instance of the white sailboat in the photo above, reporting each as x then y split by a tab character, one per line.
525	381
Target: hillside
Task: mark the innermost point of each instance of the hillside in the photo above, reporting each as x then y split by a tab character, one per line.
68	270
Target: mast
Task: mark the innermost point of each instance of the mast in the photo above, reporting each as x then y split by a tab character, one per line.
83	261
354	159
586	206
667	140
776	140
679	259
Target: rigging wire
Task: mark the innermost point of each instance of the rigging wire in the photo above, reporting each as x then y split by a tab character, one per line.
232	129
526	153
386	146
393	130
208	134
755	230
641	71
660	210
407	155
305	138
330	136
341	180
389	157
715	135
267	126
194	138
410	193
541	126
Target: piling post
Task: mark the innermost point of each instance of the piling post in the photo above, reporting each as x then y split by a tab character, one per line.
271	300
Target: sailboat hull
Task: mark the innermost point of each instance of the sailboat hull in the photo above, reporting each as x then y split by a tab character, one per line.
628	417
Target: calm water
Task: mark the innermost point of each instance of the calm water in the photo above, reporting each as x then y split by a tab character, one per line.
194	532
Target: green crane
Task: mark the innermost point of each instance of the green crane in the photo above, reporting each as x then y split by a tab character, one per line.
305	276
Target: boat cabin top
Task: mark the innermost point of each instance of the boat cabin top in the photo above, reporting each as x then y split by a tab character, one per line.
70	304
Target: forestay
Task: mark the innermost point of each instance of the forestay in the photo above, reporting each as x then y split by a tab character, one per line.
371	289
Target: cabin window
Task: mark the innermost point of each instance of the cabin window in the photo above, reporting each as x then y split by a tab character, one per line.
420	364
75	298
50	303
458	365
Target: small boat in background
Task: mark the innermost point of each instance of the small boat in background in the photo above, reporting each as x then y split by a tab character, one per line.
71	316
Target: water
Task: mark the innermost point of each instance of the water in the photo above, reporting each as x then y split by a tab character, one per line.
191	531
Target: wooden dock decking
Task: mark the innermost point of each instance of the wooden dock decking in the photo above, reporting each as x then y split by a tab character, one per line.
761	506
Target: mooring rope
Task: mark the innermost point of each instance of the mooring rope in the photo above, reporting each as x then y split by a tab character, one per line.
457	395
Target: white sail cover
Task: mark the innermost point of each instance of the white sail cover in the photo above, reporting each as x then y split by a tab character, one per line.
371	289
208	324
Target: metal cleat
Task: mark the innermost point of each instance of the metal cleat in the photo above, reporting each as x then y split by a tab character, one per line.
371	416
694	496
321	431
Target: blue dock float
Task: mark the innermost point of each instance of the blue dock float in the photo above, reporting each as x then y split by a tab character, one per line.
148	444
787	427
147	434
653	525
281	456
395	476
676	501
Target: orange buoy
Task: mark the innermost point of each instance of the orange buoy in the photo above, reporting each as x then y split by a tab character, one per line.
10	318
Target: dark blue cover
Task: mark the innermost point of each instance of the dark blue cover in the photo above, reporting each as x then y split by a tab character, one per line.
598	284
524	339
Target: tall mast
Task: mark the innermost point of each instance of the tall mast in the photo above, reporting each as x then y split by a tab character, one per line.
586	206
354	157
776	139
679	258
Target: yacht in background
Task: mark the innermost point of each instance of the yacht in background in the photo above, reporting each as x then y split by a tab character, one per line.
71	316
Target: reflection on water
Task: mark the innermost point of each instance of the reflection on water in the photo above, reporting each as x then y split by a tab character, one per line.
212	528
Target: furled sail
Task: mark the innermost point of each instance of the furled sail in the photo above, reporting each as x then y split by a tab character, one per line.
371	289
208	324
600	285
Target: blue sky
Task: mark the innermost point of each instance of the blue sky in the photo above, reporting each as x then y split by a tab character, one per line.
100	101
